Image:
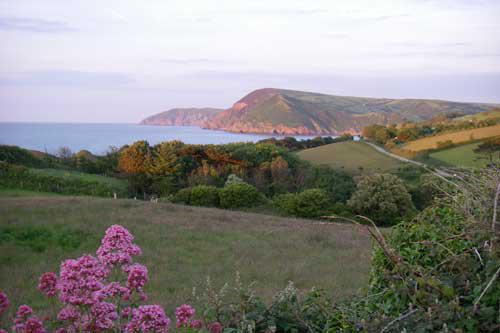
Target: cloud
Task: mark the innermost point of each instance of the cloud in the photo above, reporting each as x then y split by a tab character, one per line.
67	78
191	61
33	25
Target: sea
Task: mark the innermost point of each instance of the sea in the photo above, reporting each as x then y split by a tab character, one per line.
98	138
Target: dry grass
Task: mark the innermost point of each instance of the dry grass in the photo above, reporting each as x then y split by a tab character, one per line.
456	137
183	245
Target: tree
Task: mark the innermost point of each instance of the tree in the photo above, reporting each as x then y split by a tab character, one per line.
382	198
135	158
310	203
337	184
236	195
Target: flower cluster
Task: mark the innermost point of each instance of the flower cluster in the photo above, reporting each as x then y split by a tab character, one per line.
117	247
183	315
24	322
47	284
148	318
93	303
4	303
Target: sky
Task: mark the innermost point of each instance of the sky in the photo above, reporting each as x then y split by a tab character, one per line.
123	60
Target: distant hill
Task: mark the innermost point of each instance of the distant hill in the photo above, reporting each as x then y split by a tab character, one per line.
182	117
305	113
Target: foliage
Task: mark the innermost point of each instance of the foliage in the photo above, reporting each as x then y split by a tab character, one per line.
203	195
382	197
183	196
238	195
489	148
337	184
310	203
293	144
14	176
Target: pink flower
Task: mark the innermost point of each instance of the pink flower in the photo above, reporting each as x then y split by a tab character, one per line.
25	323
137	276
112	289
196	324
3	331
117	247
79	279
103	316
4	302
47	284
68	313
148	318
215	327
183	314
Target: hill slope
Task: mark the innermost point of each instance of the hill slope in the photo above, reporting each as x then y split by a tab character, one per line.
296	112
181	117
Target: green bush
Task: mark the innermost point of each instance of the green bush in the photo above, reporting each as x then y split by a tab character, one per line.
310	203
204	195
238	195
183	196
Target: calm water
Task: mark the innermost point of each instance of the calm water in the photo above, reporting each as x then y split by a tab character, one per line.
98	137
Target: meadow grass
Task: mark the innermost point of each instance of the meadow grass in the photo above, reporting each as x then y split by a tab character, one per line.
69	174
354	157
455	137
461	156
13	192
181	246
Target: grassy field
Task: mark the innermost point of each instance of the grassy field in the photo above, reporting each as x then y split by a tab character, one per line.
113	182
461	156
492	114
456	137
181	246
11	192
355	157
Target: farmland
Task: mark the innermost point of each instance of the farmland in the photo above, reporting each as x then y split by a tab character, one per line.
181	246
455	137
354	157
461	156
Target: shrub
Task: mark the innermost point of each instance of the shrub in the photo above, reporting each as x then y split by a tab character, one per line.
383	198
238	195
183	196
203	195
337	184
310	203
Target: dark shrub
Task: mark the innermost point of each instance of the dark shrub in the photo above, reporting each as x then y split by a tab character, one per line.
203	195
236	195
309	203
337	184
183	196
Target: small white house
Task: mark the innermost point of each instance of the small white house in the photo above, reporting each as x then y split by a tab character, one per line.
355	138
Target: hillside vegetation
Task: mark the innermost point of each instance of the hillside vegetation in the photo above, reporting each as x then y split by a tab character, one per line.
181	246
297	112
354	157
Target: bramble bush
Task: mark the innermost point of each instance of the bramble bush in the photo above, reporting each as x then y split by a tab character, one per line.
204	195
239	195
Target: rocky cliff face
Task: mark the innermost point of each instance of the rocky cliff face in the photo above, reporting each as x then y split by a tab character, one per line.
291	112
182	117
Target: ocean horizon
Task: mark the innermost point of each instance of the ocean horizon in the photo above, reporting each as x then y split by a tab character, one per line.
99	137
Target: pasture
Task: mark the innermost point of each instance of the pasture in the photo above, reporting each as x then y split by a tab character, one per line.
181	245
354	157
461	156
455	137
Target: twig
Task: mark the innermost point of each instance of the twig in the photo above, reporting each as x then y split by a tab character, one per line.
398	319
493	278
479	256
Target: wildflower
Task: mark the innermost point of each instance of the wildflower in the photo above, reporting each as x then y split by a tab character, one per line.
4	302
215	327
79	279
103	316
25	323
148	318
47	284
183	314
137	276
112	289
196	324
22	313
69	313
117	247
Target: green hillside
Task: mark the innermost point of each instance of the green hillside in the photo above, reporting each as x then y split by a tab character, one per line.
461	156
355	157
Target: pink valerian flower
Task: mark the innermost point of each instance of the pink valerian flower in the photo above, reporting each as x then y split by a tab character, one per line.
24	322
3	331
196	324
68	313
110	290
4	302
103	316
79	279
148	318
137	276
117	247
47	284
183	314
215	327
